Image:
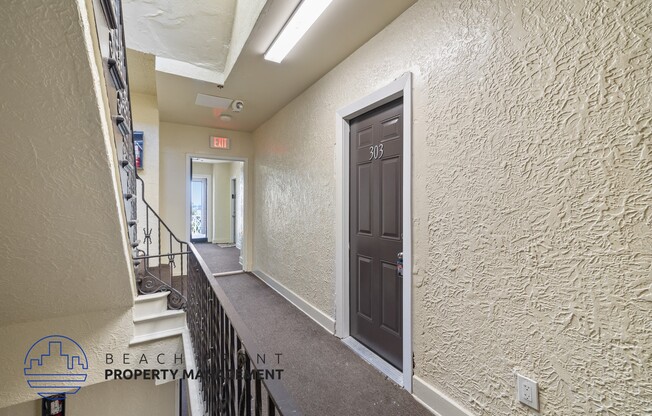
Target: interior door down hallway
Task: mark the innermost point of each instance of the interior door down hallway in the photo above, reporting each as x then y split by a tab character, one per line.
376	235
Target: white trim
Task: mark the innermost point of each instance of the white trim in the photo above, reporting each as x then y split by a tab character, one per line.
401	87
177	395
195	399
233	208
155	336
313	313
227	273
244	252
209	204
436	401
374	360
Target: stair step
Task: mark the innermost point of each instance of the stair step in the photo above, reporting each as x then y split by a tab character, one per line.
156	336
152	304
160	322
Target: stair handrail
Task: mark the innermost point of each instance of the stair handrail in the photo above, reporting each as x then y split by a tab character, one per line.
147	280
111	41
227	352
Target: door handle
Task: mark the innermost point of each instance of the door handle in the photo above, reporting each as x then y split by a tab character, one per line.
399	264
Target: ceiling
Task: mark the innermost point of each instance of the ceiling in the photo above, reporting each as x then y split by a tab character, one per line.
194	31
265	87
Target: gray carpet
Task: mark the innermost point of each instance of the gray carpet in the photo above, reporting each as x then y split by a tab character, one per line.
219	259
322	374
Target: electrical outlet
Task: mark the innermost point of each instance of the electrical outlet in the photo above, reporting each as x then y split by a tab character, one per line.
527	391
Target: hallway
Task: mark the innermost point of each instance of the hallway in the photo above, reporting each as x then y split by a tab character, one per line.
464	186
220	259
321	373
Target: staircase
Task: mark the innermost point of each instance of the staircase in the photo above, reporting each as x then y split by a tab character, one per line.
153	320
160	259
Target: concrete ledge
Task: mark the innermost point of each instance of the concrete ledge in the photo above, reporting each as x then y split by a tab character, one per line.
313	313
436	401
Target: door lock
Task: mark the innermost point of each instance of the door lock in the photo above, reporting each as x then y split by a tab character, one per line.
399	264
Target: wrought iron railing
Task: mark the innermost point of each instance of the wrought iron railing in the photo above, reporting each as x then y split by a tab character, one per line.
161	259
159	256
234	381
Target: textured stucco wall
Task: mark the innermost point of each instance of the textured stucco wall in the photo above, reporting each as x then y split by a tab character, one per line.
110	399
145	118
98	333
179	140
126	397
63	240
532	184
64	262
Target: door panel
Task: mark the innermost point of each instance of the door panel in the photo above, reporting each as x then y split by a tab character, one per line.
390	203
365	137
391	292
376	235
364	286
364	199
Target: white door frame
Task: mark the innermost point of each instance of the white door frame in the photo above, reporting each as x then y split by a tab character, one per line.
209	204
233	206
244	252
401	87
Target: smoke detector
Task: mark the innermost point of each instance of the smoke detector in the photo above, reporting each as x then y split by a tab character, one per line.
237	106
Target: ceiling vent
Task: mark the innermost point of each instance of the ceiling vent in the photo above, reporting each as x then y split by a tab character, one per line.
213	101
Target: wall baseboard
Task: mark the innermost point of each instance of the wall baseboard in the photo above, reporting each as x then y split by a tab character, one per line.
313	313
436	401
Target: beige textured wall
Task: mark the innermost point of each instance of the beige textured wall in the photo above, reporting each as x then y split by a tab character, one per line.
110	399
60	203
98	333
144	109
179	140
222	193
532	185
124	397
199	168
31	408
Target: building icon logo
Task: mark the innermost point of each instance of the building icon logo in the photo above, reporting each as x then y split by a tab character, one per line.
55	365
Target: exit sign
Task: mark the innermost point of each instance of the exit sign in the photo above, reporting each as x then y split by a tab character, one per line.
220	142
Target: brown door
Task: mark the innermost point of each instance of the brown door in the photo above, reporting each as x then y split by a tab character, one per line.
376	235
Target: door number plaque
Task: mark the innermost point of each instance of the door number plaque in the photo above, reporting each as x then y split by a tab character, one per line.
376	152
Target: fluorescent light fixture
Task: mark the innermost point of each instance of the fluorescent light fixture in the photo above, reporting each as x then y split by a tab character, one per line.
304	17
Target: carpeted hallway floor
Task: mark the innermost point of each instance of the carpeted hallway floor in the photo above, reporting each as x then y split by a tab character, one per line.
322	374
219	259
